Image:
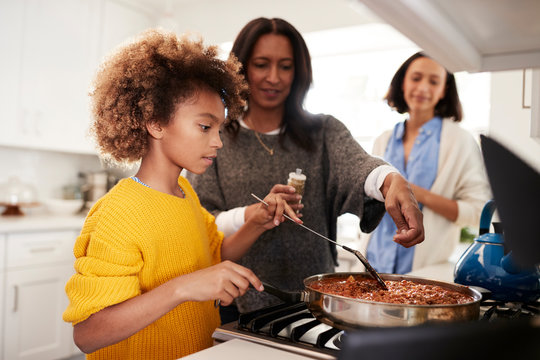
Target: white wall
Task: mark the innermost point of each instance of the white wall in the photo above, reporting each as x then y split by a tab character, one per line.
47	171
509	122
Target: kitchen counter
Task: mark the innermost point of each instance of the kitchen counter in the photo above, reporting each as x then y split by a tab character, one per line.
442	272
40	222
241	349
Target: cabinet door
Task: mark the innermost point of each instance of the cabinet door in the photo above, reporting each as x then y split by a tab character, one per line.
52	52
58	52
11	15
50	56
35	301
2	261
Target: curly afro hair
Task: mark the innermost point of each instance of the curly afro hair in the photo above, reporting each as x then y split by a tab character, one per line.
147	79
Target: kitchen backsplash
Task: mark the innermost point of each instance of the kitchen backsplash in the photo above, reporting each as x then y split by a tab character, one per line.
49	171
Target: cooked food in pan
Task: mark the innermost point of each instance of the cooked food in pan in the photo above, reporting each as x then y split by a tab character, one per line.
399	292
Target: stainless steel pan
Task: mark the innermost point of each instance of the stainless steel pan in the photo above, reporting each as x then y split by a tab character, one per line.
348	313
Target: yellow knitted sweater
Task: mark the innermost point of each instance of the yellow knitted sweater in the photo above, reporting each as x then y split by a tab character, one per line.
134	239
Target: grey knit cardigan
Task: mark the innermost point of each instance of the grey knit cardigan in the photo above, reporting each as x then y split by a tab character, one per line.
336	172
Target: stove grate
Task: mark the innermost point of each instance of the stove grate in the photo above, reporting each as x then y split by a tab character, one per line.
278	325
299	331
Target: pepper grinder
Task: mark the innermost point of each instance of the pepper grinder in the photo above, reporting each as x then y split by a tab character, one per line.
297	180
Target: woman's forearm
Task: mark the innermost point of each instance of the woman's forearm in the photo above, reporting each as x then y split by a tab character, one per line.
445	207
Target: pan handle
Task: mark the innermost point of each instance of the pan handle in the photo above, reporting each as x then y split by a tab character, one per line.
287	296
486	293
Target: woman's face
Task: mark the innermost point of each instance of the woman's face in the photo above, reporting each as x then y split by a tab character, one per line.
424	85
270	71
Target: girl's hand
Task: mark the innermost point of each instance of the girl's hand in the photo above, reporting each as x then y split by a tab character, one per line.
271	215
224	282
287	193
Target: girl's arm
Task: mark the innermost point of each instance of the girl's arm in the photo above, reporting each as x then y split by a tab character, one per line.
224	281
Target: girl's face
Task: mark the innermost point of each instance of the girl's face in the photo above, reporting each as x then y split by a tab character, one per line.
191	139
270	71
424	85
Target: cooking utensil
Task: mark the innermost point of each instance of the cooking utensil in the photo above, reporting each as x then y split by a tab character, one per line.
347	313
357	253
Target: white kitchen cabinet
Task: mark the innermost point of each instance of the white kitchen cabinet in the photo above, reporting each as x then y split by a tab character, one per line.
50	56
37	266
2	261
35	301
53	53
10	23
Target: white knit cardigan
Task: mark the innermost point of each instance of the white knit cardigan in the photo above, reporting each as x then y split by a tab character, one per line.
460	176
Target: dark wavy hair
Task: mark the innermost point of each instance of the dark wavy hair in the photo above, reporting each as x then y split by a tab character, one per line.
448	107
298	124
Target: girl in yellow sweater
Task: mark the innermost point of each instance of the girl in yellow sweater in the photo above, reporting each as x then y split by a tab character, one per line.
150	262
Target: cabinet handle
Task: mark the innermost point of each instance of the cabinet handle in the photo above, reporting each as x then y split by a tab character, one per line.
15	298
43	249
523	106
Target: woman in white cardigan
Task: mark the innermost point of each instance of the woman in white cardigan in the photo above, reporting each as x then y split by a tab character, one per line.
441	161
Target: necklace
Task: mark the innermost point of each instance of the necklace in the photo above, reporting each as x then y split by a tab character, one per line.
269	150
140	182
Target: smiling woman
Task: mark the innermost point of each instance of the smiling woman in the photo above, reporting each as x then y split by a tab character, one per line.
441	161
352	67
276	135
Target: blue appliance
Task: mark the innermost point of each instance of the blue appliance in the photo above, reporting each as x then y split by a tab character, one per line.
488	264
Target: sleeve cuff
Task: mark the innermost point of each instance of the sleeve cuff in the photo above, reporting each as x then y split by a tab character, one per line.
230	221
375	179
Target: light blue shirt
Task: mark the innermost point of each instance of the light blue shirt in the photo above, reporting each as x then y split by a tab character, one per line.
383	253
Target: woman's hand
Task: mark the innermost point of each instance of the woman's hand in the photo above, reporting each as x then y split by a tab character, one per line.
271	215
224	282
403	208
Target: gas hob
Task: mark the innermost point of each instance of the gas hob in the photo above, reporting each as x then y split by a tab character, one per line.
291	327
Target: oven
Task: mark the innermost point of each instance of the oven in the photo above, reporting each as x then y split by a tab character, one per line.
292	328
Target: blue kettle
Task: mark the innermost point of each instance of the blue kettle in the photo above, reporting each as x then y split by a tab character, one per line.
486	263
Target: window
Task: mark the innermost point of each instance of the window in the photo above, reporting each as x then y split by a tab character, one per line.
352	68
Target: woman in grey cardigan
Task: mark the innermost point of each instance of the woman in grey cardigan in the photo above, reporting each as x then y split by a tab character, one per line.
274	137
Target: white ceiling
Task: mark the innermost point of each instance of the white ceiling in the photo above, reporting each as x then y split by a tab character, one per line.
497	27
472	35
220	20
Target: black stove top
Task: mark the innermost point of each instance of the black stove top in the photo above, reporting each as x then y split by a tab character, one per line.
493	309
292	327
289	327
